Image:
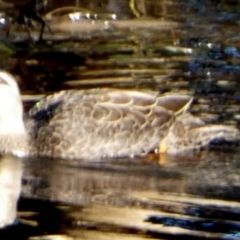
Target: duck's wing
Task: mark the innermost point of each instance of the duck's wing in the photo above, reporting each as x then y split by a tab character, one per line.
139	100
190	133
174	103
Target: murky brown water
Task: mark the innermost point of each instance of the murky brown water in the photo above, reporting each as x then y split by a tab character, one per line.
188	47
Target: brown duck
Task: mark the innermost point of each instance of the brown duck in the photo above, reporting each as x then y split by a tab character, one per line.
101	123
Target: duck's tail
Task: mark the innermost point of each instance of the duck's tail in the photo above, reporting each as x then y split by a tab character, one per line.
195	134
209	133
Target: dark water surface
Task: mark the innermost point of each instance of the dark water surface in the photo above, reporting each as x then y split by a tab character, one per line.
187	47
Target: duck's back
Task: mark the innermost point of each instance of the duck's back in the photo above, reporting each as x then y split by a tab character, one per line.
92	124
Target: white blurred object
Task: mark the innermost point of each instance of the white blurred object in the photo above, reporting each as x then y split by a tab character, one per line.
10	188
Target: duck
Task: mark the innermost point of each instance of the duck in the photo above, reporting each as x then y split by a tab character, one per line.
101	123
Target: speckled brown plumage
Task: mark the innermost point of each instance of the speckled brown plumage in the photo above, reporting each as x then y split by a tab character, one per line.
101	123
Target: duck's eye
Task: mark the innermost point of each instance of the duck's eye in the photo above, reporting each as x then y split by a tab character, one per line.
3	81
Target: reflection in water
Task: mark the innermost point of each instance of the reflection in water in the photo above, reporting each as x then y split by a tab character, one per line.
140	198
10	188
118	182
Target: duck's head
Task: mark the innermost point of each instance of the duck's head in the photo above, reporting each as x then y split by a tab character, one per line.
11	109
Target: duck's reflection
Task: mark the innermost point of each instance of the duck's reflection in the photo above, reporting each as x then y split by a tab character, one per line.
10	187
116	182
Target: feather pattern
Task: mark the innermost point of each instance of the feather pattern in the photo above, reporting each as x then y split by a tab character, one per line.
102	123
